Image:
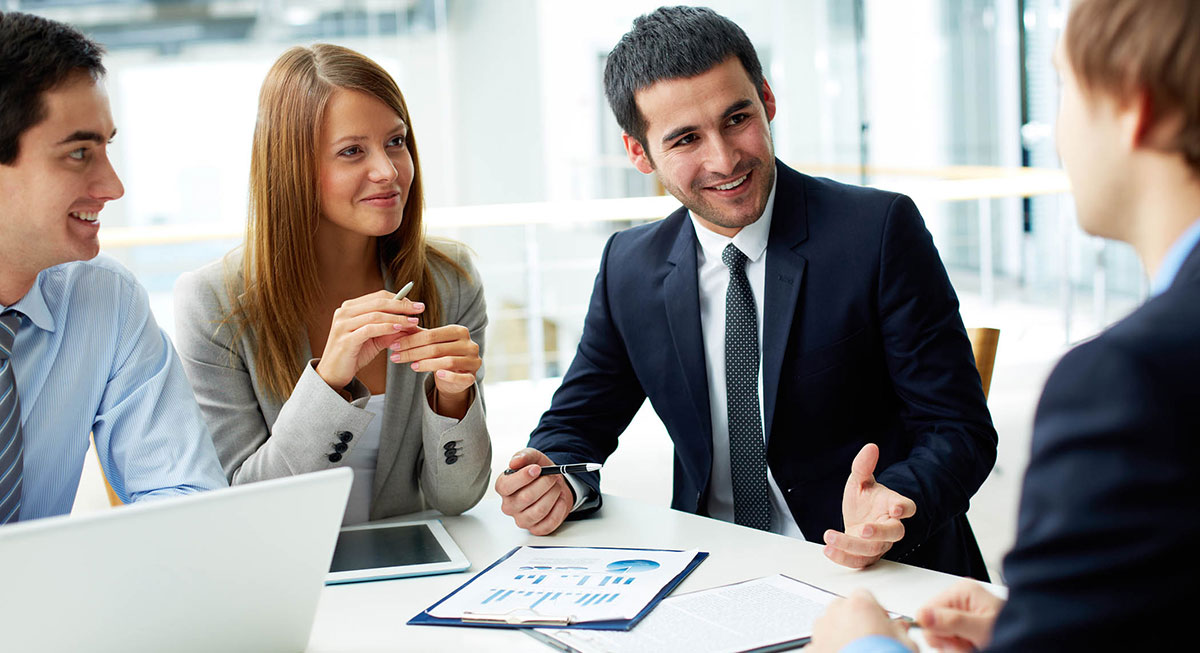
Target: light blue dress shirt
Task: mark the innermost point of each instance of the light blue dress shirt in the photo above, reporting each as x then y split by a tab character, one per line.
874	644
1174	259
90	359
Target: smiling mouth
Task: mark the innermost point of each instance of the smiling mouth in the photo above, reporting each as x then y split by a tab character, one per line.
86	216
733	184
382	196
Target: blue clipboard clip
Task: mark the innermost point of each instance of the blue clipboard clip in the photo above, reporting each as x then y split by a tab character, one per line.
519	617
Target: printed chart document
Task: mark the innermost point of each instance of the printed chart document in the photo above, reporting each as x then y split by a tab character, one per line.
767	614
567	585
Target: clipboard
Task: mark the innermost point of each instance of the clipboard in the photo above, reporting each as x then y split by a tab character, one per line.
531	619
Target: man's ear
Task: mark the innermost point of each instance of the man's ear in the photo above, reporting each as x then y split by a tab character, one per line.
768	98
1145	126
637	154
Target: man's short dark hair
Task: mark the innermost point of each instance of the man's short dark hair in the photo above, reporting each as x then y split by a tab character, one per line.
36	55
672	43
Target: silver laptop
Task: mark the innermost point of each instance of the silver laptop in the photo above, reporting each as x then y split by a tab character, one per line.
229	570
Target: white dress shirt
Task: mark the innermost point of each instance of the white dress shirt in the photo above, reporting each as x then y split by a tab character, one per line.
713	277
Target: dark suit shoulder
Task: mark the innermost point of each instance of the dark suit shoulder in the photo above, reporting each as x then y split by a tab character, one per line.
835	194
1146	360
655	236
831	190
846	217
1166	324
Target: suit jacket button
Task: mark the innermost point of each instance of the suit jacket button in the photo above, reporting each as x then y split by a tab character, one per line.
340	447
345	436
449	446
334	457
451	459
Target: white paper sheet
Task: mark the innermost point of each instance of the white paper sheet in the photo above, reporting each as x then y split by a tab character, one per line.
584	584
742	617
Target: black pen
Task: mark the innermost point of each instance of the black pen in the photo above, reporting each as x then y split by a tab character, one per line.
575	468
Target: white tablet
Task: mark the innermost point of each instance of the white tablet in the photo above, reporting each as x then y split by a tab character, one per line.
394	550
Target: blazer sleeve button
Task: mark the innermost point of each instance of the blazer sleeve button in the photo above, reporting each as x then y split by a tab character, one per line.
340	447
335	457
345	436
451	459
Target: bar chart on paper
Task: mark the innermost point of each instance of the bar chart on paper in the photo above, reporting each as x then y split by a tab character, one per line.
545	601
563	582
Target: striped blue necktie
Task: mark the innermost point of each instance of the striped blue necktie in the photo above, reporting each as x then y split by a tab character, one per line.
747	455
11	445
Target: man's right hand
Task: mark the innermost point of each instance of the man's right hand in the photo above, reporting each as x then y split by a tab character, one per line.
960	618
537	503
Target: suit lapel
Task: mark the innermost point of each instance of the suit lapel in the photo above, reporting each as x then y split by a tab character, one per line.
784	276
682	300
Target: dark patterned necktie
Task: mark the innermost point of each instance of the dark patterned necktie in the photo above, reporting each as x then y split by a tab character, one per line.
11	444
747	457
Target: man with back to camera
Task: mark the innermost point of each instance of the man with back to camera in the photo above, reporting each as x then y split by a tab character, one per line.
1109	514
813	312
80	352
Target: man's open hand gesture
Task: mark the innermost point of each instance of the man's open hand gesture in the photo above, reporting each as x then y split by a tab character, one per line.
871	514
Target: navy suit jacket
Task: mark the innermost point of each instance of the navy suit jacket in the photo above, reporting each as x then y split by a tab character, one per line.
1110	509
862	342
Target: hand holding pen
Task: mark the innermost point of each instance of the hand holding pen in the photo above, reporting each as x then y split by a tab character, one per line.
538	502
449	353
361	328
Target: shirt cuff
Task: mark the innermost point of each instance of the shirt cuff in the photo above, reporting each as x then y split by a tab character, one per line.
581	491
874	644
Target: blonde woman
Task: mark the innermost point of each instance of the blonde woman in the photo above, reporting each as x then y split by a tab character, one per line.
334	231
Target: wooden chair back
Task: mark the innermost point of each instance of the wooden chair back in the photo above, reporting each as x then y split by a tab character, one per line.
983	345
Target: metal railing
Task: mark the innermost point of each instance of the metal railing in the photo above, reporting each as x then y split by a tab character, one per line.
597	218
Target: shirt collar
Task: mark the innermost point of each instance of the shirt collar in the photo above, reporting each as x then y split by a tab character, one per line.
751	240
1174	259
33	305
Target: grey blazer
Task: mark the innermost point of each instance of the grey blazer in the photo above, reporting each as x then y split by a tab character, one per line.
258	438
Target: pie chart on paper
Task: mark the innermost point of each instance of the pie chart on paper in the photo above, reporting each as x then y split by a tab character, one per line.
631	566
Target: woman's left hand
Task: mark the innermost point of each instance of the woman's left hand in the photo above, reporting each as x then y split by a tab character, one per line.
451	355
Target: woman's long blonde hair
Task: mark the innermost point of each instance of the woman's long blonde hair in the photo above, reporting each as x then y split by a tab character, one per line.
281	286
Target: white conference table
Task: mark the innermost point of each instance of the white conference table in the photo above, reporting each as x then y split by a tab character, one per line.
372	616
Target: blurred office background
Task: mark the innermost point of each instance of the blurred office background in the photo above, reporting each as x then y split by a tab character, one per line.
951	101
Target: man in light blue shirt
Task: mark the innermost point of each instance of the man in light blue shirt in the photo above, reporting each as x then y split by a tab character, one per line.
80	352
1110	507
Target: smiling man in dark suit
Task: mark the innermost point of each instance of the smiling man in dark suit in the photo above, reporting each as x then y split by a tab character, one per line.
786	329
